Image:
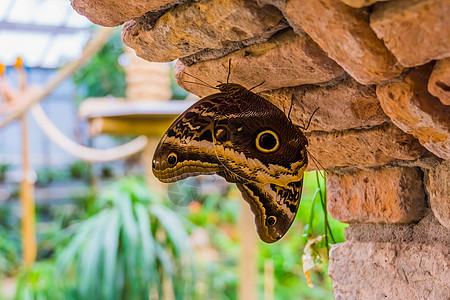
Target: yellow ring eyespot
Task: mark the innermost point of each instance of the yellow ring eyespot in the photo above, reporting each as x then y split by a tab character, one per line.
172	159
267	141
271	220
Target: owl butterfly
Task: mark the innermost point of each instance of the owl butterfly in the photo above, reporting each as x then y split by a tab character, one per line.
247	140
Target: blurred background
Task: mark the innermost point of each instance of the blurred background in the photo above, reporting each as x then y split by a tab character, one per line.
81	216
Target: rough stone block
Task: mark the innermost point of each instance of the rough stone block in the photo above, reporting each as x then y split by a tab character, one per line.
287	59
439	82
344	33
414	110
426	231
112	13
206	25
384	195
343	105
415	31
360	3
376	146
391	271
439	192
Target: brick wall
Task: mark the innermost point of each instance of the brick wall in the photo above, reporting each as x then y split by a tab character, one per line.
380	74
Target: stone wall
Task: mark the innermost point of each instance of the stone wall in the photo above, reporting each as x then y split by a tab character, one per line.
380	74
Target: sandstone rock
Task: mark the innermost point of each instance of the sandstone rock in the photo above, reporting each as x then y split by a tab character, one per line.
376	146
385	195
439	82
112	13
409	105
206	25
439	192
344	33
360	3
344	105
391	271
426	231
287	59
415	31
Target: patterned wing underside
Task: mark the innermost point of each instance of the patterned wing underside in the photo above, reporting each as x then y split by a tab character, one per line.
270	200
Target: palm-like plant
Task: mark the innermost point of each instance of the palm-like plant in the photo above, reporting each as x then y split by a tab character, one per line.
128	248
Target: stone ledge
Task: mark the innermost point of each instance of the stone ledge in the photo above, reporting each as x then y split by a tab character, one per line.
438	187
415	31
298	61
426	231
344	33
360	3
376	146
342	105
112	13
413	109
439	82
384	195
371	270
193	27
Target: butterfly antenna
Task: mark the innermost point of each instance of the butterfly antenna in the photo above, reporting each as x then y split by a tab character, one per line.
290	108
317	163
309	121
229	70
257	85
202	84
205	83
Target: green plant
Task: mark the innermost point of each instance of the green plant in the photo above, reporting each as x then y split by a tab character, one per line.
40	282
103	75
9	242
3	169
46	176
128	248
80	170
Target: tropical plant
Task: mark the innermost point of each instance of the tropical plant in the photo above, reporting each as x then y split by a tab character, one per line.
39	282
132	247
103	75
9	242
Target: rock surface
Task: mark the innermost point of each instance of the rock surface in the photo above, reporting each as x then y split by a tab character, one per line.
391	271
415	31
287	59
439	82
112	13
205	25
385	195
409	105
439	192
360	3
376	146
344	33
344	105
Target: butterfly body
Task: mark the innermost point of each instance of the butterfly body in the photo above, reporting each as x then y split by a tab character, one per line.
244	138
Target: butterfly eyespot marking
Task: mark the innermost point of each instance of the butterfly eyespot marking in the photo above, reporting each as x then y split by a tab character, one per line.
271	220
221	134
267	141
172	159
153	164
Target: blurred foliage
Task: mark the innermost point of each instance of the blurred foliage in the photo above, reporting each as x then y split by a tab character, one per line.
103	75
46	176
81	170
40	282
128	248
127	241
3	169
9	242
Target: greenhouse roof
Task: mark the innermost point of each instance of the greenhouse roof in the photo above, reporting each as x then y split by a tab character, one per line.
44	33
